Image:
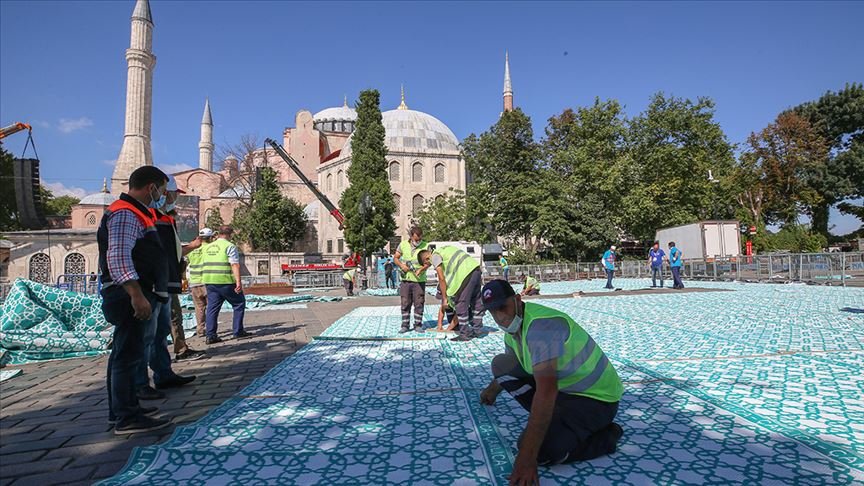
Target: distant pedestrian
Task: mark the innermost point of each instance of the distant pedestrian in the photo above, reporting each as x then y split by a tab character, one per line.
349	280
675	263
388	273
608	262
505	267
655	263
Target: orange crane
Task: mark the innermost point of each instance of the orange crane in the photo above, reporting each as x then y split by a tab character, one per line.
14	128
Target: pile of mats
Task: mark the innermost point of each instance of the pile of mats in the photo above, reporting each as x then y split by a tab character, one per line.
763	385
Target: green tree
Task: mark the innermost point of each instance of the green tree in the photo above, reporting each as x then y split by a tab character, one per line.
8	206
273	222
447	218
214	219
509	183
59	205
673	145
587	153
369	228
839	118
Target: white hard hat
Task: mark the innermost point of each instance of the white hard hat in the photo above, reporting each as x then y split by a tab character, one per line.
172	185
206	233
613	247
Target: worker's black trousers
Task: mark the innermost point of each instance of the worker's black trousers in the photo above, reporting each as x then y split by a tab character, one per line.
581	427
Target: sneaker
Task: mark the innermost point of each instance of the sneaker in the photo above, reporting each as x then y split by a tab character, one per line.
242	334
149	393
418	329
174	382
462	338
190	355
212	339
404	330
139	423
141	411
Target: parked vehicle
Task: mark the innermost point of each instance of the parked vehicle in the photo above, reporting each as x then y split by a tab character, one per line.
704	240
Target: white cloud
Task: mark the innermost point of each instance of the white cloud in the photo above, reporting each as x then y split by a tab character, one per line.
59	189
69	126
42	123
175	168
109	162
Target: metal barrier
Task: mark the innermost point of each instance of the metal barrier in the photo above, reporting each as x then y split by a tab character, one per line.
83	283
317	279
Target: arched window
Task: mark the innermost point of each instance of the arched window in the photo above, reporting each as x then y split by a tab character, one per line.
329	182
394	171
440	173
439	198
40	268
417	172
91	219
397	201
417	204
340	179
74	264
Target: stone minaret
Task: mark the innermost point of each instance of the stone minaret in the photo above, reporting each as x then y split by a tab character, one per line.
136	150
205	146
508	88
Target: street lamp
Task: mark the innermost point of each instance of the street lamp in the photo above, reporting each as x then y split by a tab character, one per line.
365	208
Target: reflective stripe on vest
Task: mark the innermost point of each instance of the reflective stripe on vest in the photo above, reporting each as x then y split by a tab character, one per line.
583	369
408	256
215	268
458	265
349	275
195	267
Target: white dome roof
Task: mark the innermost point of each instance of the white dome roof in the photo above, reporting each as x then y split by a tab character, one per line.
311	210
414	132
338	113
99	199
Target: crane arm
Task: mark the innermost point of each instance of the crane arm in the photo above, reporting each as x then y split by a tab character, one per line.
14	128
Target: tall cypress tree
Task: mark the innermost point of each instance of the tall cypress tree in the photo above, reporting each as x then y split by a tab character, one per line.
368	231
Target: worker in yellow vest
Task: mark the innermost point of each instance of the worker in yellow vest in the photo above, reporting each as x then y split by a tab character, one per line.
559	374
220	272
459	279
412	290
349	280
197	289
530	286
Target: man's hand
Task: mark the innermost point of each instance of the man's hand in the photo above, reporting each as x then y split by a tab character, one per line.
238	288
489	395
141	307
524	472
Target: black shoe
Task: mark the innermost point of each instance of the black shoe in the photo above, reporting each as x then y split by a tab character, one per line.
149	393
139	423
175	382
212	340
462	338
404	330
190	355
418	329
141	411
242	334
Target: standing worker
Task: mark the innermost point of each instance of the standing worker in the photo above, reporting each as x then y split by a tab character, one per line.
655	263
675	263
608	262
197	289
388	272
530	286
133	282
412	290
559	374
220	268
505	267
349	278
460	280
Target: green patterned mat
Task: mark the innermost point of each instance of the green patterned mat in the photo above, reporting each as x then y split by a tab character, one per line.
759	386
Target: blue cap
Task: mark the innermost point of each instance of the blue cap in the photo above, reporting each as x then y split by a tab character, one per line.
496	293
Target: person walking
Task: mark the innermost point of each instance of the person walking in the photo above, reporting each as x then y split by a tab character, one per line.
505	268
388	272
608	262
349	279
197	289
560	376
134	279
675	263
459	279
412	290
655	263
221	275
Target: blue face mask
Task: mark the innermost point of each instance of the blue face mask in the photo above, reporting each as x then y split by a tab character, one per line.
169	207
156	203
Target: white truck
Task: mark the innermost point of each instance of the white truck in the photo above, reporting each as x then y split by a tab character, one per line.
704	240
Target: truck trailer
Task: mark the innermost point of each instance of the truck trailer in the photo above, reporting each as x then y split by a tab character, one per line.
703	240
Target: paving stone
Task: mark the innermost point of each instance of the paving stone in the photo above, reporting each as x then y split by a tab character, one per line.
62	476
33	467
20	457
33	445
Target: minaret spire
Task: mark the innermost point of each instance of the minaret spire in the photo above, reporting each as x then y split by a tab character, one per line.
136	150
205	146
508	87
402	105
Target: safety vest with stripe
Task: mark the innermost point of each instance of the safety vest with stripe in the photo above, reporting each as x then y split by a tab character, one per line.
215	268
458	265
408	256
349	275
583	369
533	283
195	257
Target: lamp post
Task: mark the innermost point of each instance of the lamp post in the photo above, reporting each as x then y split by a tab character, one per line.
365	207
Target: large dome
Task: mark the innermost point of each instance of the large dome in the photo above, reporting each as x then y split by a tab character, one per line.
98	199
338	113
414	132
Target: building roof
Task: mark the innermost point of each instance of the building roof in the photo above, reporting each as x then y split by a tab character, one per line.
207	119
411	131
142	11
337	113
102	198
311	210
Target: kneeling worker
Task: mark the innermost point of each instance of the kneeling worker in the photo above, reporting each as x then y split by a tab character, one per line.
459	280
349	279
553	368
530	286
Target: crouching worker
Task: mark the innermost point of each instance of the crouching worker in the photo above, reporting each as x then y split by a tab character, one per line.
553	368
531	286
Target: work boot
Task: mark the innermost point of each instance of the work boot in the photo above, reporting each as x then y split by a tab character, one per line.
139	423
141	411
212	340
190	355
149	393
174	382
404	330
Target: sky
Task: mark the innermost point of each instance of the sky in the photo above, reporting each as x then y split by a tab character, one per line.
63	67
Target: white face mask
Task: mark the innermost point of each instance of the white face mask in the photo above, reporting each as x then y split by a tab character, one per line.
514	326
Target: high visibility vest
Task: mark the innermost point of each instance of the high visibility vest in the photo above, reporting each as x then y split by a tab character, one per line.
583	369
458	265
195	257
532	283
349	275
409	257
215	269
